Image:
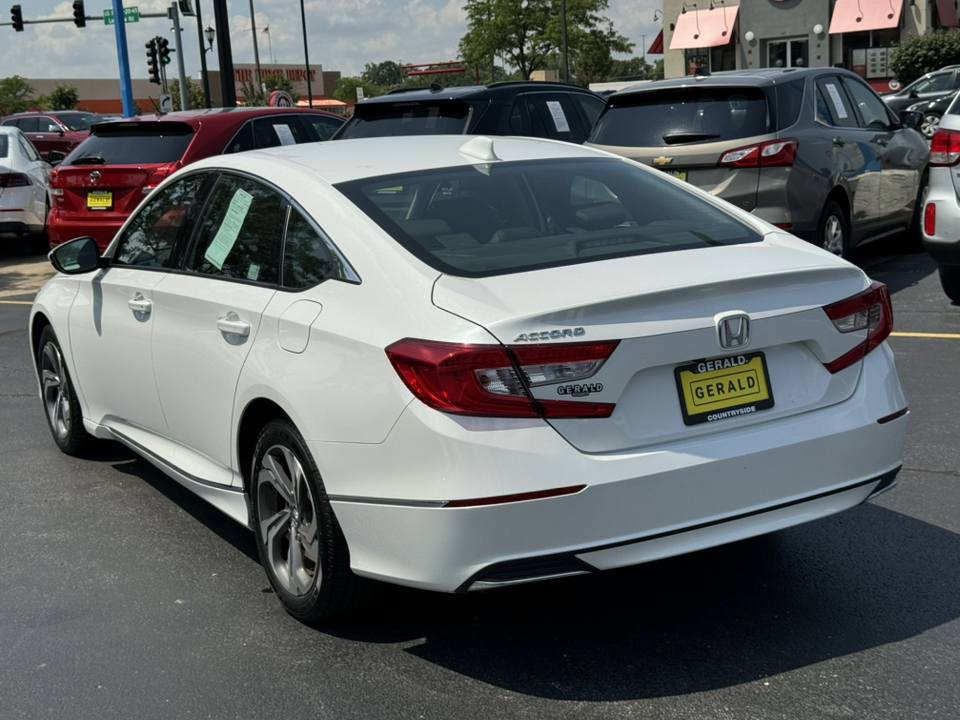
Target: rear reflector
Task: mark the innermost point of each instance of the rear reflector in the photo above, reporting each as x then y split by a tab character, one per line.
11	180
520	497
495	380
891	418
930	219
870	310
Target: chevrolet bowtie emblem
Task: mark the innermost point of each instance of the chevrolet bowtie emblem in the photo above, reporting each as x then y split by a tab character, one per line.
662	160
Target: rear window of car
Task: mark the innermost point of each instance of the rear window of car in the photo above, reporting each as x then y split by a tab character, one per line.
78	122
680	116
444	117
513	217
120	143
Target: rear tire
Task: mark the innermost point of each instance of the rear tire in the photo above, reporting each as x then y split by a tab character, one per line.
833	230
301	545
950	280
929	125
64	417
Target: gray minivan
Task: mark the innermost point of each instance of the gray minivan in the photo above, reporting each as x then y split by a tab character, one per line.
814	150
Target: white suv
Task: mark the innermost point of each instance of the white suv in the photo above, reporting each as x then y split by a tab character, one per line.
941	212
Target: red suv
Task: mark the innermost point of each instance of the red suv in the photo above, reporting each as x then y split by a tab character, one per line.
107	176
59	130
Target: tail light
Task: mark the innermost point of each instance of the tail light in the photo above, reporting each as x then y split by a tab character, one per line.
930	219
945	148
872	311
54	184
158	176
776	153
11	180
495	380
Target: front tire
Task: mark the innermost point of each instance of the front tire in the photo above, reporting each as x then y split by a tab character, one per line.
833	230
930	124
950	280
64	417
301	545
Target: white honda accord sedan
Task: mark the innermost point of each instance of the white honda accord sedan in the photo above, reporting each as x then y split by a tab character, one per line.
462	363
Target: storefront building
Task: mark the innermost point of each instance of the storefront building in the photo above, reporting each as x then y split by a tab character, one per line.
742	34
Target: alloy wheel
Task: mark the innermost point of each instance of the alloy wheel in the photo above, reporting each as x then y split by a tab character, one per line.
288	521
833	235
55	390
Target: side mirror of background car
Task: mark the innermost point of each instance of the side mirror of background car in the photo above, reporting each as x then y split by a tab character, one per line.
55	157
80	255
911	118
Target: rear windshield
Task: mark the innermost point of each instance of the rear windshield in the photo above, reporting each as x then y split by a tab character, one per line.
444	117
680	116
511	217
133	144
78	121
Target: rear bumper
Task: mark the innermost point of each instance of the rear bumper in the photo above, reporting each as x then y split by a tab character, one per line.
944	245
19	228
62	229
637	506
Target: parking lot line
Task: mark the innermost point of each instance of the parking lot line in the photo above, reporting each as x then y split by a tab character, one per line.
948	336
16	302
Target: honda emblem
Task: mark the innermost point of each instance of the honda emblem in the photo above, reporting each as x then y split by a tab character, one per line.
733	331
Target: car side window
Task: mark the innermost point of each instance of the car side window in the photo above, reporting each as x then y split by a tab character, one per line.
26	147
30	124
238	236
149	239
873	113
308	258
591	106
46	125
833	99
242	141
279	130
518	122
552	115
324	126
934	83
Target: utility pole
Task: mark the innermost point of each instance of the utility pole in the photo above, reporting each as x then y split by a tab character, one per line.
126	85
306	54
228	85
256	50
174	14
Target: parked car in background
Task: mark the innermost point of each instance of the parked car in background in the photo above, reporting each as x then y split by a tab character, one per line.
941	214
813	151
463	363
99	184
537	109
60	130
23	186
932	86
932	111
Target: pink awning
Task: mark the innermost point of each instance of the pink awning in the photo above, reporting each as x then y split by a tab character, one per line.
860	15
948	13
704	28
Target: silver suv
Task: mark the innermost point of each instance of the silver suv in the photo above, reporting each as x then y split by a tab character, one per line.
941	215
814	151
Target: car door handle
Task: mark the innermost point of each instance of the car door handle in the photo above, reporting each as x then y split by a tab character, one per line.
839	141
138	303
232	324
883	141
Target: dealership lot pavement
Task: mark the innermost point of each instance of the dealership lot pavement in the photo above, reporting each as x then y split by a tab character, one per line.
123	595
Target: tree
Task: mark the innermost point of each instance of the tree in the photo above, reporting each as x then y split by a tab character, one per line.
387	74
63	97
347	89
252	95
635	68
280	82
16	95
922	53
195	95
527	32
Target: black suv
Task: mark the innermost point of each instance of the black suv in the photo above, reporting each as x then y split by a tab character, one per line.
537	109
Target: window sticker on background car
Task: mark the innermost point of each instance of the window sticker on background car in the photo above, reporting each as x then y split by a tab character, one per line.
226	236
837	102
284	135
559	119
254	272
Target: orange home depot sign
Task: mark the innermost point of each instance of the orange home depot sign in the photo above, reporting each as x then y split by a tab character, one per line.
297	75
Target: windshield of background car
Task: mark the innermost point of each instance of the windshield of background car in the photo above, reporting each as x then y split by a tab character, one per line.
79	122
442	117
120	143
677	116
484	220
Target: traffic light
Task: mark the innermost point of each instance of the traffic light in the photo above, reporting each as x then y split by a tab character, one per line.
79	16
163	48
16	15
152	61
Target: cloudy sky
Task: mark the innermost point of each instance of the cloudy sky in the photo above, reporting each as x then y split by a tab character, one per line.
343	35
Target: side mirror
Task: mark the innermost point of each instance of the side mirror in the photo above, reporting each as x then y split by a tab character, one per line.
911	118
80	255
55	157
913	94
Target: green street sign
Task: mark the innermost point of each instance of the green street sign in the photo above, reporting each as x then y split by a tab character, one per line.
130	15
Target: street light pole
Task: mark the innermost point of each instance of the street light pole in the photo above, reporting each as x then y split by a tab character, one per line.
203	57
306	53
563	20
256	49
228	84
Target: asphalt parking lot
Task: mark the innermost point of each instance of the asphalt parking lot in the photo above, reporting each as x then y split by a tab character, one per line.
123	595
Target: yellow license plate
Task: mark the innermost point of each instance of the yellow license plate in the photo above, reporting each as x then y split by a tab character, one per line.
678	174
99	200
723	388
